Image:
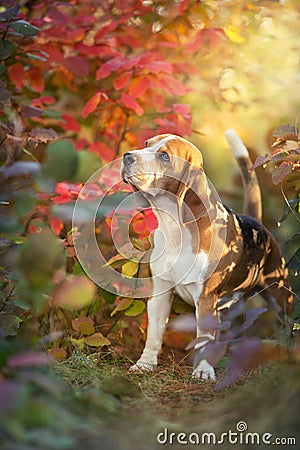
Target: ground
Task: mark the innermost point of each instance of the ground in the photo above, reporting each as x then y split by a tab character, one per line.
141	407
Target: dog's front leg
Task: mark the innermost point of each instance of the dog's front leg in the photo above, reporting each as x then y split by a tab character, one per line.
158	309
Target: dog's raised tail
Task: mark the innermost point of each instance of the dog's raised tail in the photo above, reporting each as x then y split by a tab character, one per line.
252	194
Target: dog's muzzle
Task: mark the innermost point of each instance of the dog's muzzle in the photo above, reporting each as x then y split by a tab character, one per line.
128	160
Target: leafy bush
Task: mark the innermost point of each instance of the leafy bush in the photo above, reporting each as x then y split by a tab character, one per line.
285	165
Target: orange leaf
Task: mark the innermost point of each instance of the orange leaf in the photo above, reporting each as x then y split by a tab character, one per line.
69	123
139	86
110	66
171	84
92	104
70	189
130	103
35	79
58	353
56	225
43	100
122	80
16	74
182	109
151	66
139	226
103	151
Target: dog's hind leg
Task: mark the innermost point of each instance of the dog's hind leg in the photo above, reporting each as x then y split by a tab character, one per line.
276	289
205	307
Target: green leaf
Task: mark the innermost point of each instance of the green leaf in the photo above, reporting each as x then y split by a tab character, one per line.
125	303
130	268
51	114
135	309
10	225
141	245
39	257
77	269
109	297
62	161
97	340
9	324
3	92
110	203
24	28
24	204
88	163
5	49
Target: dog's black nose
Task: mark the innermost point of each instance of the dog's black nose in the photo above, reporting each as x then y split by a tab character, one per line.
128	158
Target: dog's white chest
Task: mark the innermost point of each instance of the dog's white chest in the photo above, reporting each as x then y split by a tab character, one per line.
173	260
178	265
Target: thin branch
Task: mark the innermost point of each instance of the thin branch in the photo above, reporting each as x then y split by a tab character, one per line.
288	204
122	134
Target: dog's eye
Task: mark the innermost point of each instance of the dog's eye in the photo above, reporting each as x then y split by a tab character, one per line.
164	157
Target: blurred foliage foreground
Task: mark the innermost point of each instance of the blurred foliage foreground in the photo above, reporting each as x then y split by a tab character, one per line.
81	82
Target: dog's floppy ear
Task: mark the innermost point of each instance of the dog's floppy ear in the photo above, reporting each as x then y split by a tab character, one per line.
196	201
193	192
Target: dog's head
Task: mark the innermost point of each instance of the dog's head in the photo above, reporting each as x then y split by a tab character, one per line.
169	163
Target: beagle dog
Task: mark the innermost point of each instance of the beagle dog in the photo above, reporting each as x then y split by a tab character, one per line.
202	250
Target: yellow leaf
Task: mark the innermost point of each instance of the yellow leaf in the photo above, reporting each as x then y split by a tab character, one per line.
85	325
124	304
78	343
234	35
96	340
114	260
130	268
126	251
135	309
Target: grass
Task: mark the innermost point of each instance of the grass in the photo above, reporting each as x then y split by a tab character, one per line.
168	387
144	405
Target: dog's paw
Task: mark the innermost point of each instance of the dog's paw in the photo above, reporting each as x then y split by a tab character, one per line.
141	367
204	371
